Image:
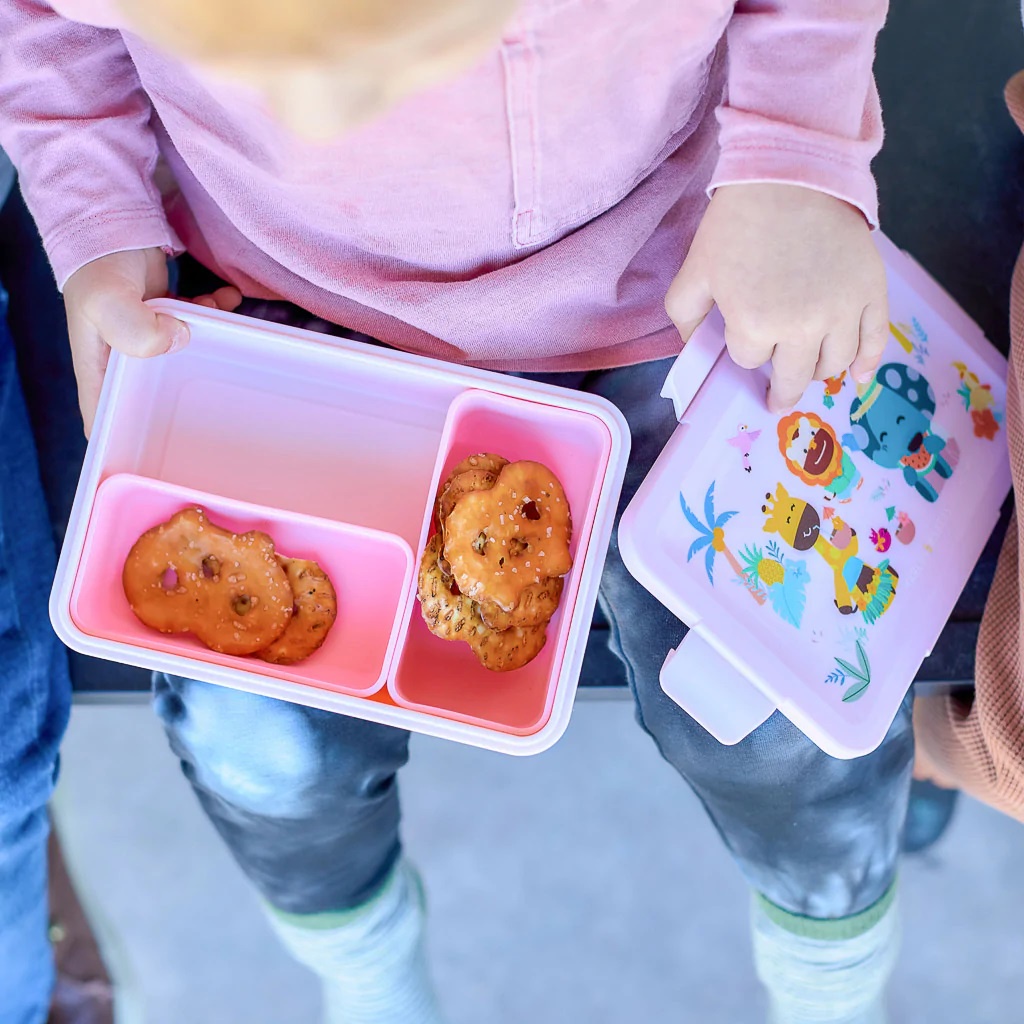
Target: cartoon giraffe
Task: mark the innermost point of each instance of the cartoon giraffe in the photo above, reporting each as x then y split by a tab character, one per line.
859	587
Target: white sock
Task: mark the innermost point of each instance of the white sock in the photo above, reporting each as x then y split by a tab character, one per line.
826	972
371	959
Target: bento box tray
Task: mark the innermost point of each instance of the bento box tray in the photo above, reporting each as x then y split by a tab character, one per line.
336	448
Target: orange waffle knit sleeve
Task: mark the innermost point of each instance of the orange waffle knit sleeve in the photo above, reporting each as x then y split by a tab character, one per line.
979	746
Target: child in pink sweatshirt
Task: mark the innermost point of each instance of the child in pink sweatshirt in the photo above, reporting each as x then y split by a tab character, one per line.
520	186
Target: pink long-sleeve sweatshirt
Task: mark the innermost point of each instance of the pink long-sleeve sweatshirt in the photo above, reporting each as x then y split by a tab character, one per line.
529	214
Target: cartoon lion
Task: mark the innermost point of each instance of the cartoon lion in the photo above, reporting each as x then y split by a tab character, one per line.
814	455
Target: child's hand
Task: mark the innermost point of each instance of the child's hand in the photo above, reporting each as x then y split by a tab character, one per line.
797	279
105	304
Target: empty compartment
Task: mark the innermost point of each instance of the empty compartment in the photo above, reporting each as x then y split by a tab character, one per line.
261	413
444	677
371	572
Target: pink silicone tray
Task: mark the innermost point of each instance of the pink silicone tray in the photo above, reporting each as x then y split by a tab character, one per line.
372	572
335	449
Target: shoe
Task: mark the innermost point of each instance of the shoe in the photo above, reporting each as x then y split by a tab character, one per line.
81	1002
928	815
83	993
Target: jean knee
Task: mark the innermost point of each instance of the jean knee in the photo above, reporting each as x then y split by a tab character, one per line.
817	835
256	753
274	758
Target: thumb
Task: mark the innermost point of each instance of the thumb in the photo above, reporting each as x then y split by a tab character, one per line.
89	357
689	298
124	322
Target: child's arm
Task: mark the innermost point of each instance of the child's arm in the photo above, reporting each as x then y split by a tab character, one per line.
793	269
75	121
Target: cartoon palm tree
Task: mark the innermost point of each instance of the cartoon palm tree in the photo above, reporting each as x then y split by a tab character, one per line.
711	536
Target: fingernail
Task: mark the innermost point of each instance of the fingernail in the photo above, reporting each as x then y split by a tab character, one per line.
179	339
865	376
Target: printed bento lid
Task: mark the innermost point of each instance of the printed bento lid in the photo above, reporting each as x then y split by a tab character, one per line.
817	556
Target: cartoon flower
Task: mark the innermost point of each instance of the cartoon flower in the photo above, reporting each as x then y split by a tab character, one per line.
985	423
881	538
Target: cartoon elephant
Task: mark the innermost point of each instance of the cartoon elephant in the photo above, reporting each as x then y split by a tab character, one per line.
891	419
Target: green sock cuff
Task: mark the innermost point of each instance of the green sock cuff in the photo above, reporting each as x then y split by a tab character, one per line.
329	919
828	929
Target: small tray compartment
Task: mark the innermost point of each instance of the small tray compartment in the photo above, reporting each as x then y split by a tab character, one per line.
371	572
444	677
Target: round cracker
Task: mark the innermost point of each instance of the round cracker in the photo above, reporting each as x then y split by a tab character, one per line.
315	611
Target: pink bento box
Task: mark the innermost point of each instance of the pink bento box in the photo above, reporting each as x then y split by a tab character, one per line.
336	449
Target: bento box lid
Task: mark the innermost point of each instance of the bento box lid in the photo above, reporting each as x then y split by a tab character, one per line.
817	556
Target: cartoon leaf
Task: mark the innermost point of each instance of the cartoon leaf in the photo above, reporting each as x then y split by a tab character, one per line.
723	519
851	671
690	517
835	676
865	665
855	692
787	605
748	584
709	565
709	503
788	598
774	551
700	542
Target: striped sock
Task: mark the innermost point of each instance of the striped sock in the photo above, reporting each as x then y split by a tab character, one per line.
371	959
826	971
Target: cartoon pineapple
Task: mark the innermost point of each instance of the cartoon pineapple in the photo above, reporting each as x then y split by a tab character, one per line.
761	569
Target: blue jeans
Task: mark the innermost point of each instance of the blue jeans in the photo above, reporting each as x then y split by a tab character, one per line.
307	800
35	698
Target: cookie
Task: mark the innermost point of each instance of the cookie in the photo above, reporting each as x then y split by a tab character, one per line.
501	540
314	609
190	576
505	650
460	484
484	460
537	603
447	613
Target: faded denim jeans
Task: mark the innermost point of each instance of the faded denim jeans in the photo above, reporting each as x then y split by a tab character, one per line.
35	698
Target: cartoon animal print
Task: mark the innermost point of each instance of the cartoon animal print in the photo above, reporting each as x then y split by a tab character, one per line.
891	419
979	402
813	454
859	587
744	441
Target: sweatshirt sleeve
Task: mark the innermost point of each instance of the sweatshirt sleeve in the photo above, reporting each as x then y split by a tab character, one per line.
801	106
978	745
74	118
